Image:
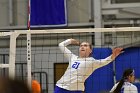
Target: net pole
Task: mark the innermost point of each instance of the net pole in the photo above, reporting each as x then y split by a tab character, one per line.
12	53
29	77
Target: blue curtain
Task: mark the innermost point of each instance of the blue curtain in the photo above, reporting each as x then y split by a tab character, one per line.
48	13
129	59
102	79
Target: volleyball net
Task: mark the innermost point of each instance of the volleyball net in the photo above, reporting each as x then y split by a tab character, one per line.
36	51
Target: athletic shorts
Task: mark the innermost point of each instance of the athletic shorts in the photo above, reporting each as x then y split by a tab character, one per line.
61	90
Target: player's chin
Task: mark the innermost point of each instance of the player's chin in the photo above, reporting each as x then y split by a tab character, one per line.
83	52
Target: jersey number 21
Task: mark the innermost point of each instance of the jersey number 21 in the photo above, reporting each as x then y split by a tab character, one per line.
75	65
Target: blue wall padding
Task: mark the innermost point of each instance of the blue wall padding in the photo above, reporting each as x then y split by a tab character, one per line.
102	78
129	59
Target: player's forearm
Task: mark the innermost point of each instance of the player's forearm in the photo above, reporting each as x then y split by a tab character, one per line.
65	43
64	49
106	61
113	56
103	62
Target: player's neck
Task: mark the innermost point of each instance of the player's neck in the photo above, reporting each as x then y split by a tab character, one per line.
83	56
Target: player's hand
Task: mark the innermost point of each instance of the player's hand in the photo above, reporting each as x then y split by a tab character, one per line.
116	52
75	42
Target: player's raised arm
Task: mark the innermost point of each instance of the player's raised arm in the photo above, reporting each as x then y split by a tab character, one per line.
103	62
64	49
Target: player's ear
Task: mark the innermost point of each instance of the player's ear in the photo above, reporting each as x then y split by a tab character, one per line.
90	51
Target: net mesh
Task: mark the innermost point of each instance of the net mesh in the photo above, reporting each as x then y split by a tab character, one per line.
48	64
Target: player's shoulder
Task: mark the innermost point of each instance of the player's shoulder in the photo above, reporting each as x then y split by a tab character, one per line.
73	56
131	86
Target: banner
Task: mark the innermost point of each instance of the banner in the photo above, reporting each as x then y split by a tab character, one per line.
48	13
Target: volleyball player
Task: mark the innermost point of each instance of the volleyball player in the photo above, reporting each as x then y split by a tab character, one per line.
125	84
80	67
